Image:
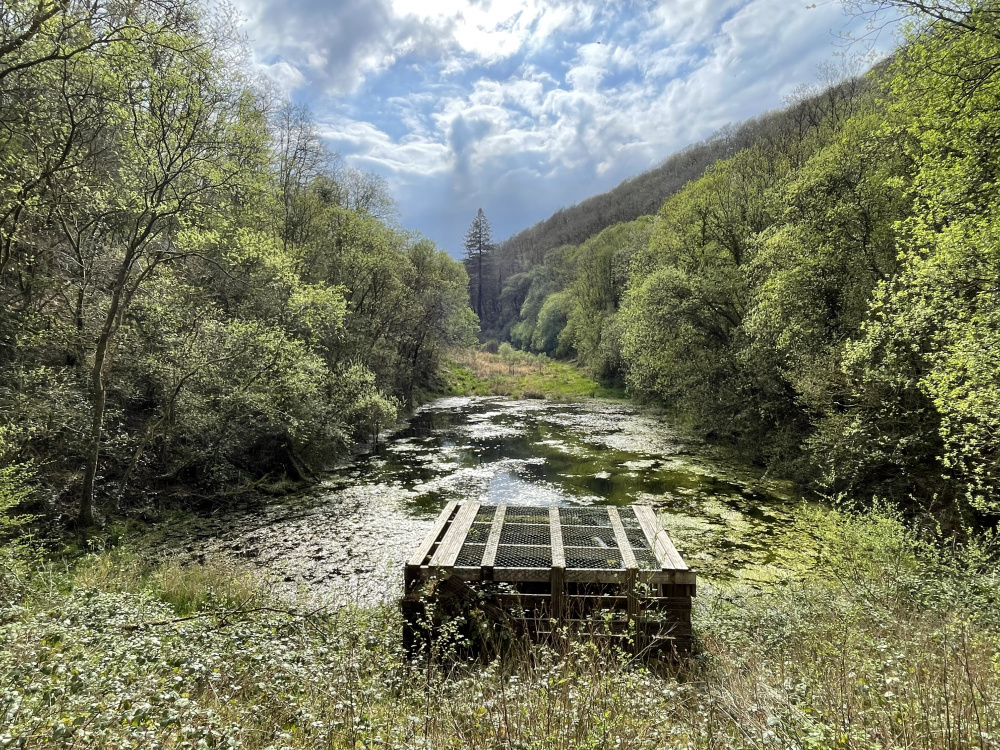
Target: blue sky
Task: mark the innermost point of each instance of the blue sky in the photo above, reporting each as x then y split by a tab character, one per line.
523	106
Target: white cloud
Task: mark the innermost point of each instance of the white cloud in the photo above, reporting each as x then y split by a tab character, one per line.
287	76
570	94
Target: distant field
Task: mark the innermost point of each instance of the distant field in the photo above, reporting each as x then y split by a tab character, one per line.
468	372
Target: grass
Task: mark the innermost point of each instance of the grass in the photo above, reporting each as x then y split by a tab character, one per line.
470	372
878	640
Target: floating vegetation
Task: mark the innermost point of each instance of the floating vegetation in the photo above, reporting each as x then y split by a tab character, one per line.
348	538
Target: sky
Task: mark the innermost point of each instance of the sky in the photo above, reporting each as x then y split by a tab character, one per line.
520	107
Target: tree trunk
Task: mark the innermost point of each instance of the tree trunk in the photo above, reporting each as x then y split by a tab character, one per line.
96	428
479	282
86	517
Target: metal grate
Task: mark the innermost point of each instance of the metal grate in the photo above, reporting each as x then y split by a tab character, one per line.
519	533
629	519
588	557
584	517
470	556
509	556
527	515
646	559
637	538
486	513
589	536
589	540
478	533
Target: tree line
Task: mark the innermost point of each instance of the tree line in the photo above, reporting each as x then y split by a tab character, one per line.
828	300
838	87
194	292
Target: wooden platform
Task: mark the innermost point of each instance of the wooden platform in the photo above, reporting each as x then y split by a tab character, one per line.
605	571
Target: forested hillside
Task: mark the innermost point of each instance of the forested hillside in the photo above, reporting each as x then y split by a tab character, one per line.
642	195
826	298
193	292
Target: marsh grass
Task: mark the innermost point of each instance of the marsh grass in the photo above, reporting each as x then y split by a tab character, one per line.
872	639
472	372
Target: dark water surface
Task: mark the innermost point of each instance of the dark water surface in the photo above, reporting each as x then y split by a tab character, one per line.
347	539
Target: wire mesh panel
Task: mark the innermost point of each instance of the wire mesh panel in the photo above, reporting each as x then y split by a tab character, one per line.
486	513
470	556
593	559
589	536
646	559
527	515
629	519
584	517
478	533
637	538
521	533
515	556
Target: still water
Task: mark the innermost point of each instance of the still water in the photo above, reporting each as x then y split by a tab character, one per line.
346	540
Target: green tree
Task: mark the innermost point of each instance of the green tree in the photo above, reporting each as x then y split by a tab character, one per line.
927	366
478	243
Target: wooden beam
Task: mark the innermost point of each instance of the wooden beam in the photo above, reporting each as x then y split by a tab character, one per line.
650	527
518	575
454	537
424	549
595	575
492	542
557	581
666	554
675	577
628	556
555	532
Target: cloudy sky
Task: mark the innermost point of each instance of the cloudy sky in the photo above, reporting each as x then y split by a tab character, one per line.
523	106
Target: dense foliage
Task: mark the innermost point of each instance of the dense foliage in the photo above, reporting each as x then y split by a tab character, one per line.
192	289
825	300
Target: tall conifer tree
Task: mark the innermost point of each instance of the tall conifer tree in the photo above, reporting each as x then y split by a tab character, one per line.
478	243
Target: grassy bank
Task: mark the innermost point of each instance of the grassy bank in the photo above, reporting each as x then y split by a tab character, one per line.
470	372
873	639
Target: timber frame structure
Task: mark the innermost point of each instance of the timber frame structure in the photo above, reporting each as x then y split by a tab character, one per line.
599	571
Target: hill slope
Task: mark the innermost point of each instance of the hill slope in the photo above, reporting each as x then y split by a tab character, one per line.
643	195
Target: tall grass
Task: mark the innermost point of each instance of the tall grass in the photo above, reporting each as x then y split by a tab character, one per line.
519	374
872	640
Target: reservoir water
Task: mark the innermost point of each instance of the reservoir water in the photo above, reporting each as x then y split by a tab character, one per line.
346	539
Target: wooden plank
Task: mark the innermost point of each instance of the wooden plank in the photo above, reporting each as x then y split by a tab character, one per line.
493	541
664	542
557	581
432	536
628	560
628	556
519	575
659	539
454	537
555	532
668	576
595	575
650	527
